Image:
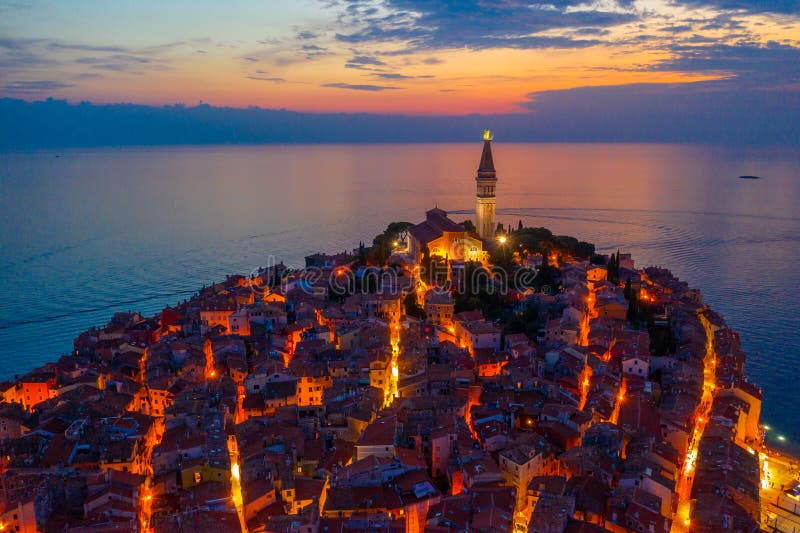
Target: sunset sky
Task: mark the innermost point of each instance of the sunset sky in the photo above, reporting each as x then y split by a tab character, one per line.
391	56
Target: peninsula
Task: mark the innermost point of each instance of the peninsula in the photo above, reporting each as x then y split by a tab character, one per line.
449	376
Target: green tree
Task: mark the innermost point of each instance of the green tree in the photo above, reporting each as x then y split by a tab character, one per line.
412	307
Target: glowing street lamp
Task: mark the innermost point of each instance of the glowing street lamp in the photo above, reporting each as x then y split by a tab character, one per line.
502	239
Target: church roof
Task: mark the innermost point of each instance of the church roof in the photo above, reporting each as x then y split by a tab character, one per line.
435	224
486	165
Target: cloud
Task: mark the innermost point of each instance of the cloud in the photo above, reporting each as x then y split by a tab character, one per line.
398	76
432	61
312	51
704	112
58	45
752	64
306	35
131	64
363	62
23	54
476	24
38	86
360	87
718	111
261	78
393	76
788	7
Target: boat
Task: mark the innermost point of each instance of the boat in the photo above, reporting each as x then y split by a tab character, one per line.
749	177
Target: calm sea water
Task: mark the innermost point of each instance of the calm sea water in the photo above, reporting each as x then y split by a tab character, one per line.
91	232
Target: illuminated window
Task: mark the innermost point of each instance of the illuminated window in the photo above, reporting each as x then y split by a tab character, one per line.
198	477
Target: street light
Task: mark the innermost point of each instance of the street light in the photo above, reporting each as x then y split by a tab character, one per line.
502	239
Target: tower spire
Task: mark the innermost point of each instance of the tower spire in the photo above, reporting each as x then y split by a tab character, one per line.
486	181
486	165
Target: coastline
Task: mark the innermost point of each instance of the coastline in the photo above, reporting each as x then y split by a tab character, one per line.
777	455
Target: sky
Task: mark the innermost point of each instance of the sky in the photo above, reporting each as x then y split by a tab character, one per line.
418	57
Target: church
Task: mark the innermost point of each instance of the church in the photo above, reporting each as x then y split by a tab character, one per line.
448	239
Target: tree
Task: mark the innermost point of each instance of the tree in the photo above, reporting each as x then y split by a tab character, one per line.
633	309
384	244
412	307
519	226
469	226
613	268
362	254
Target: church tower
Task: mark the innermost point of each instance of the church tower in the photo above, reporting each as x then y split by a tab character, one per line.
486	180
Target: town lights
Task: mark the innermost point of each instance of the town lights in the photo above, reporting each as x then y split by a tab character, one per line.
502	239
781	438
235	471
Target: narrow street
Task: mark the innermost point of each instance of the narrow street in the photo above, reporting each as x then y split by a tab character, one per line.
236	484
683	485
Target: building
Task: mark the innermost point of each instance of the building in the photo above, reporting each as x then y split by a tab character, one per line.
439	308
486	182
444	238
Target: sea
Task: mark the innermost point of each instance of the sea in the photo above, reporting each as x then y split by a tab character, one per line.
88	232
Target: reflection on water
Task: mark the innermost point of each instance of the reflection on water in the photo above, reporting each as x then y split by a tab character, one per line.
96	231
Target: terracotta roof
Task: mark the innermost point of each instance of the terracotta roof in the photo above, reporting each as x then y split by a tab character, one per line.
435	224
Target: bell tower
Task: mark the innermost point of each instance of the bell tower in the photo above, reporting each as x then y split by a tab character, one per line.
485	199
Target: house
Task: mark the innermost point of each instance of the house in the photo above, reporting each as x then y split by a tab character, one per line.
439	308
524	461
596	273
377	439
480	334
